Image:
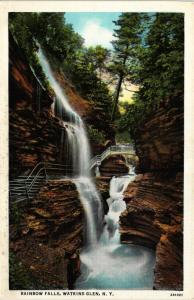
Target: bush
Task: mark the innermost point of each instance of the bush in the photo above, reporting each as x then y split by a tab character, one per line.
95	135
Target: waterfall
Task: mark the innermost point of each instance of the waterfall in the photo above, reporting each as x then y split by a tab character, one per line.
116	206
112	265
106	263
77	150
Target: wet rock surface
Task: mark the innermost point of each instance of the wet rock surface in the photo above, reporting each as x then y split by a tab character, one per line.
154	213
153	218
160	140
114	165
34	133
49	235
102	184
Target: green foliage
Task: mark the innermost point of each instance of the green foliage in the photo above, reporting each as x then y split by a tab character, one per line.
123	137
65	50
85	72
156	64
128	38
96	135
19	276
56	36
23	28
148	51
161	67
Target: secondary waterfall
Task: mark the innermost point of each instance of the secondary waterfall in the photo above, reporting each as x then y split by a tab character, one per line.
77	149
105	262
112	265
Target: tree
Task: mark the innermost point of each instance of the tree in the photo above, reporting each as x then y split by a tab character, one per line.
57	36
162	59
99	56
159	70
128	39
51	31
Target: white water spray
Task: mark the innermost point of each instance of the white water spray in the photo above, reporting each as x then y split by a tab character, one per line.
105	262
78	153
112	265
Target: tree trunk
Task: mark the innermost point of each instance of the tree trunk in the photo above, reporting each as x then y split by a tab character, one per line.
116	98
118	89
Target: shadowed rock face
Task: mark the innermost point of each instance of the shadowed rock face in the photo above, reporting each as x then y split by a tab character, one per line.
154	213
114	166
49	236
34	133
160	140
102	184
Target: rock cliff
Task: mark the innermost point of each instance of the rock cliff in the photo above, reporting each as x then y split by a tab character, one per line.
45	235
34	133
48	236
113	165
154	213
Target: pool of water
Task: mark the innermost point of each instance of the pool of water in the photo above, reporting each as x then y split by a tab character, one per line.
109	264
117	267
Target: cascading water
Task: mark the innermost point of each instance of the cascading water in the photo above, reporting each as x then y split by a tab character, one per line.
112	265
105	262
78	153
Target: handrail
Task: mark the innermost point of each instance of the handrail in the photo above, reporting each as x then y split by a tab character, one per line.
46	166
30	186
111	149
34	174
30	175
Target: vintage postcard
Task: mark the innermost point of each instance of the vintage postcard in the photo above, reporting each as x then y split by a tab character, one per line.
96	150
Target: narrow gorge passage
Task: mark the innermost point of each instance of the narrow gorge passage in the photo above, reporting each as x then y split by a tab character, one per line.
110	264
96	151
116	263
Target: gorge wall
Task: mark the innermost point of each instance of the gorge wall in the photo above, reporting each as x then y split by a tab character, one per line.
34	133
46	233
154	213
46	238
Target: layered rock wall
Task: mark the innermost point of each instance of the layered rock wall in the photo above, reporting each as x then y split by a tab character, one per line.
113	165
49	235
34	134
154	214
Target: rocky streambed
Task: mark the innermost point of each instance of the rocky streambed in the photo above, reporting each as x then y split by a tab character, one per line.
49	236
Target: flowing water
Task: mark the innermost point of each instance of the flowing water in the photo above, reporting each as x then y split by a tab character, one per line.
105	262
76	147
112	265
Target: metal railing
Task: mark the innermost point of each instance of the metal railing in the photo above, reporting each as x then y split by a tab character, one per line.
43	170
124	149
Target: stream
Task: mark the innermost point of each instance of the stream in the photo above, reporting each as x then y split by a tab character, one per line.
105	262
110	264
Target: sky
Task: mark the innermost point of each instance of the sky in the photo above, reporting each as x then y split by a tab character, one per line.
95	27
